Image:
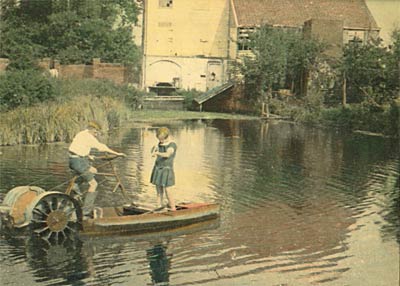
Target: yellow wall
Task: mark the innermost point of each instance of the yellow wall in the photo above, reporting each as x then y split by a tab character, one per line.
189	28
387	16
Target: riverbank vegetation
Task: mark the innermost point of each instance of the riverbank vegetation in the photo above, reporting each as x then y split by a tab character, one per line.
57	109
356	90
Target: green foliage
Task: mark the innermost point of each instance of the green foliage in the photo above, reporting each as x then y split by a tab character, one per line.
59	121
188	96
70	89
371	72
17	44
279	57
73	31
25	88
75	40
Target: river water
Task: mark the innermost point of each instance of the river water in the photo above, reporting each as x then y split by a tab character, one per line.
299	206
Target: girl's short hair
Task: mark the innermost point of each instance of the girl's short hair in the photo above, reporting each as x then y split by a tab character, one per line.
162	132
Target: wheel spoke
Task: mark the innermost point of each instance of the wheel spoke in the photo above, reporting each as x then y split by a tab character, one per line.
38	231
49	235
62	204
62	236
57	236
69	212
71	229
39	212
38	221
46	205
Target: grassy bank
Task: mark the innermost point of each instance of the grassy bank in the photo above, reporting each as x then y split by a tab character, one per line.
383	120
55	121
60	121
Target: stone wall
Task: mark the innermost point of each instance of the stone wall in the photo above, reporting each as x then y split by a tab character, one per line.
163	102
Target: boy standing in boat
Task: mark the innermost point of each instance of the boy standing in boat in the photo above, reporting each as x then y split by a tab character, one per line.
79	156
163	175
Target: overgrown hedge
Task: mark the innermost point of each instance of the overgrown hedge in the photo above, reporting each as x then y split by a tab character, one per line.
29	87
39	109
25	88
385	120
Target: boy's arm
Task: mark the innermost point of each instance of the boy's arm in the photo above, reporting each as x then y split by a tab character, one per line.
104	148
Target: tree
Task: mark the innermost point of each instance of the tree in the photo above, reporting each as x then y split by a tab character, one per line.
278	59
371	72
73	31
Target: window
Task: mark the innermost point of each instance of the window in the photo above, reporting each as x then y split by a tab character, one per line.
355	37
244	38
165	3
164	24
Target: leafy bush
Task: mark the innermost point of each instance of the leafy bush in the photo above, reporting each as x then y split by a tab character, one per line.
69	89
188	95
25	88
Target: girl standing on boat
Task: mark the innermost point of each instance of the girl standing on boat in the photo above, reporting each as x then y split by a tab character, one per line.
163	175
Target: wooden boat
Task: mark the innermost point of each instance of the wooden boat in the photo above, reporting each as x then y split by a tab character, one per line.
142	219
52	215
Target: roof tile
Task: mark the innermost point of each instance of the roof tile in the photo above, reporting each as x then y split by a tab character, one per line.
293	13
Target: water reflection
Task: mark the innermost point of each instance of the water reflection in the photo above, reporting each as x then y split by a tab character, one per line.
160	263
56	261
300	206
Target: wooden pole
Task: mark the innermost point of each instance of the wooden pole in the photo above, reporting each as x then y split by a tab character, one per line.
344	90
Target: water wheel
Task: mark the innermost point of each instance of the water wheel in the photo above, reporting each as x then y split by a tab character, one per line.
55	217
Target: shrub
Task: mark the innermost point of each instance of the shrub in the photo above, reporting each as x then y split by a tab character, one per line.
25	88
188	95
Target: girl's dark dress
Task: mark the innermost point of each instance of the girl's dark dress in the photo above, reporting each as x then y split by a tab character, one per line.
163	171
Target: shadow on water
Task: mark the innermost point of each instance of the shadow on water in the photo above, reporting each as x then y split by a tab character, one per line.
60	262
160	263
79	262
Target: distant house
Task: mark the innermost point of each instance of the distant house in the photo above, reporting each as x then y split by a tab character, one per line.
192	44
335	21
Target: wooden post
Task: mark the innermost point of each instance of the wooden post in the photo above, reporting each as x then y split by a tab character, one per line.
344	90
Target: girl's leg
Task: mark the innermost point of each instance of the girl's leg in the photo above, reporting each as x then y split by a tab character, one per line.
160	195
170	199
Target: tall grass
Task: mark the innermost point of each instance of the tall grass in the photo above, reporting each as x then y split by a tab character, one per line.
59	121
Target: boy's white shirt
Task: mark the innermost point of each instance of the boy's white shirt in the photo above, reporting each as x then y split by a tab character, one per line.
84	141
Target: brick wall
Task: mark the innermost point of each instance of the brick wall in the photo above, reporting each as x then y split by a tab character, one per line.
74	71
229	101
117	73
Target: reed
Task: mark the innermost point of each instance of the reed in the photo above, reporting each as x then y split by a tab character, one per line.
59	121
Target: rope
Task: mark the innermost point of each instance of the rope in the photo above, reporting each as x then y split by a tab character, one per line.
34	182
